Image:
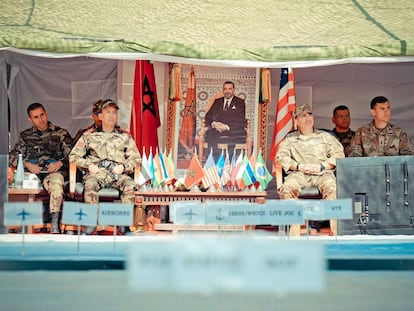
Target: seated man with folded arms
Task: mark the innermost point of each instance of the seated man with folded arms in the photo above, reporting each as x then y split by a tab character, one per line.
108	155
380	137
308	156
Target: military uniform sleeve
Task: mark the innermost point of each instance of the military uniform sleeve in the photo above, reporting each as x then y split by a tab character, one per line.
78	152
356	145
67	143
132	155
406	147
335	150
284	155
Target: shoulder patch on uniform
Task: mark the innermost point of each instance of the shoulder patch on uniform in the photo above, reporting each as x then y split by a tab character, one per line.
80	144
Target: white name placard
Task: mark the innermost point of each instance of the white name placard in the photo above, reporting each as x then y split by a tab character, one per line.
327	209
76	213
119	214
249	265
23	213
338	209
284	212
233	212
187	212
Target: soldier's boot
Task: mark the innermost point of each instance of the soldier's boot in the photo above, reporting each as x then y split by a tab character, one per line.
333	224
294	230
55	223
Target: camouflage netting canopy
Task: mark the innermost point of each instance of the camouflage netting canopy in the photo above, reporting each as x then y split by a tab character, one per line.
266	32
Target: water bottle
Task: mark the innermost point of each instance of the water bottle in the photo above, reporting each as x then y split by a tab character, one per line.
18	181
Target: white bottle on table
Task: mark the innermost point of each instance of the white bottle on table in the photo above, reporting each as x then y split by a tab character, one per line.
18	181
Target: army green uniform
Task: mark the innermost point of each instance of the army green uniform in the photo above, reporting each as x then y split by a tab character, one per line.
106	150
369	141
345	139
42	148
315	148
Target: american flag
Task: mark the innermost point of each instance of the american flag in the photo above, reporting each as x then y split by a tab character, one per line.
285	106
210	170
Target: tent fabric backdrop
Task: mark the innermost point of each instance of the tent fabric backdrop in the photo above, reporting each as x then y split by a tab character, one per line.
66	87
265	31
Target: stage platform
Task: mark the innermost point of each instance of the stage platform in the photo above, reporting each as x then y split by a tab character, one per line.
363	273
70	252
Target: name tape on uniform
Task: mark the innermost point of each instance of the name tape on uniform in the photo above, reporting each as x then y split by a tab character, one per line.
247	265
18	213
76	213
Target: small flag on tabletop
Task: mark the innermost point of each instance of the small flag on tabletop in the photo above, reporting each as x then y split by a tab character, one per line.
210	170
194	174
225	176
262	173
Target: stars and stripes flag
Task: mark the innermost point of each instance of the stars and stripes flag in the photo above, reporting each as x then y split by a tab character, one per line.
284	109
210	170
145	118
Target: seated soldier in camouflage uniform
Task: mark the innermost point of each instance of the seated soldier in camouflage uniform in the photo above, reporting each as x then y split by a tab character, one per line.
108	155
342	120
308	156
45	148
96	121
380	138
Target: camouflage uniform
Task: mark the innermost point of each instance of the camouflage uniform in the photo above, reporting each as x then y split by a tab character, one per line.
42	148
345	139
316	148
369	141
117	147
78	135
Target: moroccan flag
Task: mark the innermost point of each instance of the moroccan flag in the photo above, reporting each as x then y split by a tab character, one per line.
188	126
145	118
262	173
194	174
284	109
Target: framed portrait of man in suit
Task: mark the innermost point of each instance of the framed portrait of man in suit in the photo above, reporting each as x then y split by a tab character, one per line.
219	113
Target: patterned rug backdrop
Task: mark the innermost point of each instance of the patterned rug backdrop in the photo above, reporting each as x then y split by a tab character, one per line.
209	81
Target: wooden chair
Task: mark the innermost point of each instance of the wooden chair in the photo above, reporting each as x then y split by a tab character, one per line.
247	146
305	193
76	191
